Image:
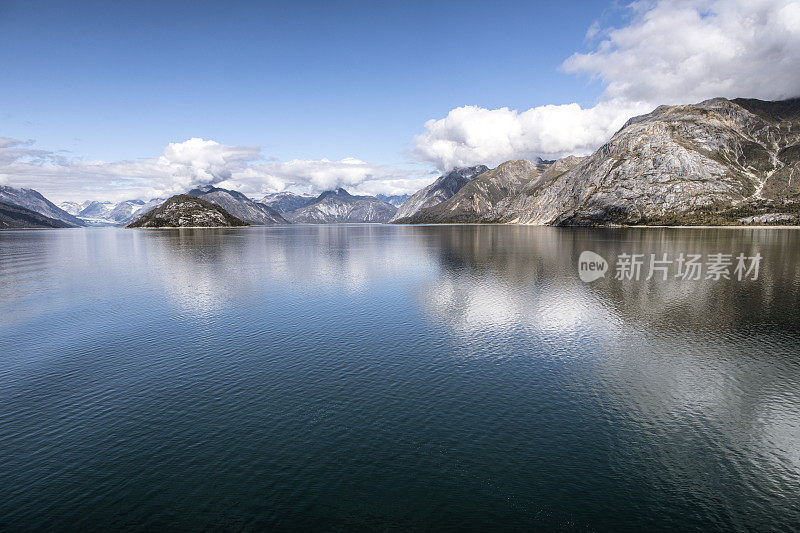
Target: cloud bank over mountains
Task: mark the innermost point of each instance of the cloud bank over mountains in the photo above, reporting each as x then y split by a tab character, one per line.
183	166
670	52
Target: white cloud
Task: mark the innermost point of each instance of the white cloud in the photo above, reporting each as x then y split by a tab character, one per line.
669	52
393	186
691	50
181	167
206	161
472	135
318	175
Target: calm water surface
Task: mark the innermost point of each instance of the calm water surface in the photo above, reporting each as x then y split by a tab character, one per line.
390	377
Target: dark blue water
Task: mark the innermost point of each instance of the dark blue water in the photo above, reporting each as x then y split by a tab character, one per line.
390	377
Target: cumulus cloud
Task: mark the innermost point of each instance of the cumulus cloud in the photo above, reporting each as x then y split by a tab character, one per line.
669	52
206	162
320	174
472	135
179	168
691	50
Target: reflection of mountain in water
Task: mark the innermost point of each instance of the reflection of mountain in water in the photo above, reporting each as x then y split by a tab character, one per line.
698	362
474	353
209	269
533	264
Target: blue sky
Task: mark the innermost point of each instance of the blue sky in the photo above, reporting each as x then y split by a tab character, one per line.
119	80
308	95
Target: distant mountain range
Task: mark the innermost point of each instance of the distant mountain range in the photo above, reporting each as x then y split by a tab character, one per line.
340	206
283	202
717	162
394	199
337	206
124	212
93	213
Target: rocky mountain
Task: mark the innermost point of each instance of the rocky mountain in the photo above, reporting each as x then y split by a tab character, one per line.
183	211
717	162
394	199
34	201
341	206
14	216
283	202
480	198
438	191
239	205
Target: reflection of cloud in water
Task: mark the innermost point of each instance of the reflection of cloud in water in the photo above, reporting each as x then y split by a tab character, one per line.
712	360
695	362
202	270
474	305
206	270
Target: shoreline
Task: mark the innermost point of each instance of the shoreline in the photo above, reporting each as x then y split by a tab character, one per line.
776	226
737	227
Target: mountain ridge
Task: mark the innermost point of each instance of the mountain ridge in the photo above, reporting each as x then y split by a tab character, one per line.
339	206
16	217
286	201
239	205
35	201
443	188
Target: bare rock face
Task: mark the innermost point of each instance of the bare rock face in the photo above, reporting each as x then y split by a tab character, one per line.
339	206
239	205
437	192
486	196
283	202
184	211
714	162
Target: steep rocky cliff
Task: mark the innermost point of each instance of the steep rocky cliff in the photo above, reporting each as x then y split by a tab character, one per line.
440	190
482	198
